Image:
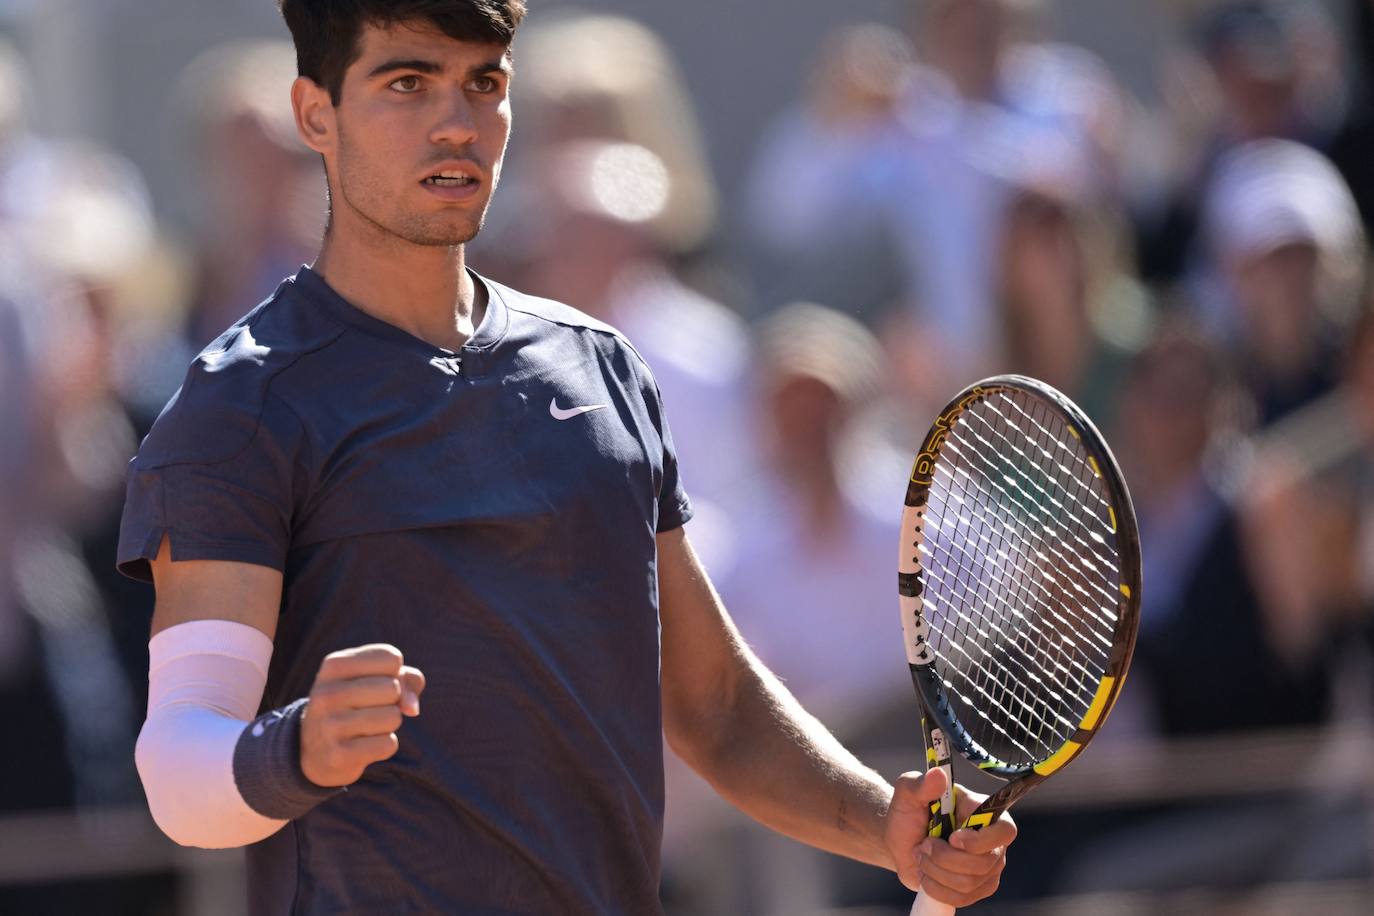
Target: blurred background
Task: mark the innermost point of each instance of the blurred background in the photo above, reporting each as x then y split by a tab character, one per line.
817	221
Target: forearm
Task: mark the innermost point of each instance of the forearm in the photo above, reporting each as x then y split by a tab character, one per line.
213	778
779	764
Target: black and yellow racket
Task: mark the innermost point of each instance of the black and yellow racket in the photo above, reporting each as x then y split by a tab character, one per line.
1019	582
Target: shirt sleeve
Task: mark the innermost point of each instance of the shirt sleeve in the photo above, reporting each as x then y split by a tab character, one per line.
674	508
219	479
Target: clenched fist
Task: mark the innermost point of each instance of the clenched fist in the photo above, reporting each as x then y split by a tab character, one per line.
355	709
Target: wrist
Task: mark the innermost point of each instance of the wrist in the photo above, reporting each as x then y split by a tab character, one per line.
267	765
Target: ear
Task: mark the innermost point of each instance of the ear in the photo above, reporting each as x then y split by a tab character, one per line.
314	115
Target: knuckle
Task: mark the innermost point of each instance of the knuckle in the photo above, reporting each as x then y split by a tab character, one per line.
387	653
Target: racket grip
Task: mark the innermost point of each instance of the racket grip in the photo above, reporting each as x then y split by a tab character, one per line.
926	905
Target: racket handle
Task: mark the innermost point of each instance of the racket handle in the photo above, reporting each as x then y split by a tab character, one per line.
927	905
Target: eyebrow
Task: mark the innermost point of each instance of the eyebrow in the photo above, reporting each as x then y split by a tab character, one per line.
417	64
421	65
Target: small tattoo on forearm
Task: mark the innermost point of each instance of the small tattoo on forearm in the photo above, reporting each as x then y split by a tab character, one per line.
842	821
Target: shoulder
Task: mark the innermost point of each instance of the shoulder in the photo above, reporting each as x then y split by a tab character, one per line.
550	318
550	311
225	397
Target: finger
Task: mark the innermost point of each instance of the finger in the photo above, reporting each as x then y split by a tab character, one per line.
966	874
966	804
937	889
908	820
361	661
373	747
358	693
997	835
413	683
355	723
941	856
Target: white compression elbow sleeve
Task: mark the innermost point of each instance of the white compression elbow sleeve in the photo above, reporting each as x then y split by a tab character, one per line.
205	683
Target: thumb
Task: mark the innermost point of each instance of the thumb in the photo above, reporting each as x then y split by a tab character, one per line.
919	790
908	820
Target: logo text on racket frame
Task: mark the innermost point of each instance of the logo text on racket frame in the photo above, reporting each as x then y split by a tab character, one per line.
923	470
559	413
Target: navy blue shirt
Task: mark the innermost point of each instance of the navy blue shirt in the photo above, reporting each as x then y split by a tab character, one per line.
465	508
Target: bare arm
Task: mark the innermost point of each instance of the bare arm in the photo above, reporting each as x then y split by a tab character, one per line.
735	723
214	590
731	719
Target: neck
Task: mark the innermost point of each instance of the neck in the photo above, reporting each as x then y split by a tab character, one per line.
423	290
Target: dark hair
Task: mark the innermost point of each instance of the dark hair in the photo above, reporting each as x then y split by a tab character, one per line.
326	31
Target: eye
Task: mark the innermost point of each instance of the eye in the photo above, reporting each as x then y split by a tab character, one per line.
484	85
406	84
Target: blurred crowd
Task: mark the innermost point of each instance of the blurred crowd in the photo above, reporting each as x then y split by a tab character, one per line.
964	197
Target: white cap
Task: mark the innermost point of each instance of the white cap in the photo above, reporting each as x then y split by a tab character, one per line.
1270	193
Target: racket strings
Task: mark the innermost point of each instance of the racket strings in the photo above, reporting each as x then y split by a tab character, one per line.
1005	696
1067	559
1011	684
1056	655
1103	563
1093	557
1004	583
1021	625
1002	595
1023	556
1056	438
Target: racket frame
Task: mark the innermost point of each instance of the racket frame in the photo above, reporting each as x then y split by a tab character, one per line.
943	732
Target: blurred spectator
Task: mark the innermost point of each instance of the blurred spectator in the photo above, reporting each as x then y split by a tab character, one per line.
1316	570
1071	316
809	582
261	191
1284	231
568	93
90	230
1207	652
75	223
1266	69
931	157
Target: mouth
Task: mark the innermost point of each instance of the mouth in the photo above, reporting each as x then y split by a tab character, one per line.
450	179
460	186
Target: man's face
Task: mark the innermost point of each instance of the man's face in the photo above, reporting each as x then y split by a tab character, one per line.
423	122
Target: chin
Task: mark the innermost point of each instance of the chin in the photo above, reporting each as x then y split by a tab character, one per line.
440	233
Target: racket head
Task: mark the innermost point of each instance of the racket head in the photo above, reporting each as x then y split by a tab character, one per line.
1019	580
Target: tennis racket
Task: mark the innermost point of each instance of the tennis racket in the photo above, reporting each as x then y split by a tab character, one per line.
1019	582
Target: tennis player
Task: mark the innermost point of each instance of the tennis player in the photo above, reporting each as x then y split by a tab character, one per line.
396	490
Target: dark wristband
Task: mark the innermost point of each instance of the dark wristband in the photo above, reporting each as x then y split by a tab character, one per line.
267	766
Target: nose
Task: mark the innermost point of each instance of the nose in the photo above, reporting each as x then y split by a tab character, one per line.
457	125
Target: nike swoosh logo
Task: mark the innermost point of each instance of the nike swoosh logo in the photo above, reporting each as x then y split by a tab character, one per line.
560	414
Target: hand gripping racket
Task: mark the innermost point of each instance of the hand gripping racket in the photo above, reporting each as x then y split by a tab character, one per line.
1019	582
